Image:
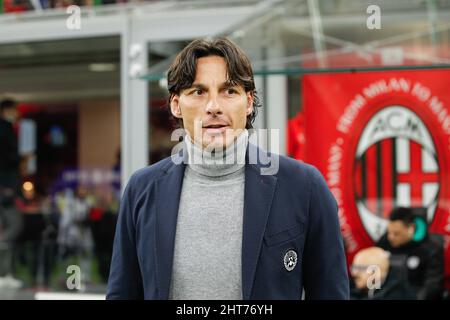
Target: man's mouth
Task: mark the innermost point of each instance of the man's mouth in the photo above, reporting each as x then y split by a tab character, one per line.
215	128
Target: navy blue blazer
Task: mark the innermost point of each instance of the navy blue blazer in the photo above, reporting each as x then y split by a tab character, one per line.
290	210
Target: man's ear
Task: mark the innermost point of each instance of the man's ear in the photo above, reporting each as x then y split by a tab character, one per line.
175	106
250	99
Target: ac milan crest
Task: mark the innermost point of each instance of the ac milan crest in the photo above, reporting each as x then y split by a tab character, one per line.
396	165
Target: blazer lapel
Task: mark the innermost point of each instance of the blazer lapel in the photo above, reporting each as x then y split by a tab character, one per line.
167	197
259	191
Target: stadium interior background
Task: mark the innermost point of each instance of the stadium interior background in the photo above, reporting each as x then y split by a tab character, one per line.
92	103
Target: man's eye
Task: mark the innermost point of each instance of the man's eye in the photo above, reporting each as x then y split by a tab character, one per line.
198	92
231	91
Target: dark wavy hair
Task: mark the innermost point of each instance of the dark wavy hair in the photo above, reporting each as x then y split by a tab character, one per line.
181	74
406	215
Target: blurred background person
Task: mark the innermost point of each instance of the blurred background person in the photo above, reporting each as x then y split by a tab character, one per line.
10	219
74	235
103	222
407	235
36	245
374	278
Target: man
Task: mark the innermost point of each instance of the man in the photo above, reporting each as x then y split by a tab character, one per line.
376	278
196	227
424	257
10	218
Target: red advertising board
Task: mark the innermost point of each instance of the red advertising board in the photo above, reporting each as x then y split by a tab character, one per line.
381	139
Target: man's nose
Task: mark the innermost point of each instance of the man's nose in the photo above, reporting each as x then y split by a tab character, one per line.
213	107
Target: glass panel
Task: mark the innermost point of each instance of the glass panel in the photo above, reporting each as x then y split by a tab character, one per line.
295	37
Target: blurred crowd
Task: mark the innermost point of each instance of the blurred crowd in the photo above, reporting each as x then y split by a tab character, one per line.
42	233
26	5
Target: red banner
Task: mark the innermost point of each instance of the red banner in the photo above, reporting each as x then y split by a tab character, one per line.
381	139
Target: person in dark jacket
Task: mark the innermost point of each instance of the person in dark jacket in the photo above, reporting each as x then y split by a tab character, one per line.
406	235
10	218
9	160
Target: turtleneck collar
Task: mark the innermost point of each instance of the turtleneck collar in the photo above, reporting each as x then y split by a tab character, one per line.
221	162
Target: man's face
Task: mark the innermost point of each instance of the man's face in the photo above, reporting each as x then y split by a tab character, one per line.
399	233
214	112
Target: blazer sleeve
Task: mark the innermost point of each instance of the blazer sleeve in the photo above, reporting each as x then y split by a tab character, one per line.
324	265
125	280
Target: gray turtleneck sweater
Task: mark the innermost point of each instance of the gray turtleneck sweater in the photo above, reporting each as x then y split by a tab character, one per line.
208	241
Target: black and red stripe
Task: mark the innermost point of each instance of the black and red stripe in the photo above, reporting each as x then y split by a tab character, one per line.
375	177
